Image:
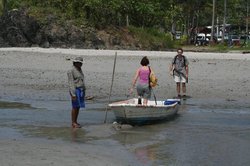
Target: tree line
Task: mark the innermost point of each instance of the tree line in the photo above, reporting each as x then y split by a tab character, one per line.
168	15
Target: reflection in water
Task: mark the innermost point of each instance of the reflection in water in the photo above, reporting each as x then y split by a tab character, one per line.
12	105
148	143
155	154
63	133
212	133
74	135
77	135
145	155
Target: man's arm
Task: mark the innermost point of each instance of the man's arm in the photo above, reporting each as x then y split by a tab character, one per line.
71	83
171	69
186	68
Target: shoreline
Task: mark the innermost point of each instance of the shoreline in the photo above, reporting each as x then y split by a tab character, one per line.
92	52
33	73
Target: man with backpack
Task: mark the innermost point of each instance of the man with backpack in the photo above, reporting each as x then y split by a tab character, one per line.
179	70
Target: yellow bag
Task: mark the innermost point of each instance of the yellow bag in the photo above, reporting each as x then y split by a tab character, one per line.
153	80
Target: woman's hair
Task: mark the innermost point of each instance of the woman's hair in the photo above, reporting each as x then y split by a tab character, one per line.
75	63
144	61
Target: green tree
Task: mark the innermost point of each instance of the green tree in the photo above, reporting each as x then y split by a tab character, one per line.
170	15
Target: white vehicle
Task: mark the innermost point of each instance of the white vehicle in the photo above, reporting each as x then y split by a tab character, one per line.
218	38
201	39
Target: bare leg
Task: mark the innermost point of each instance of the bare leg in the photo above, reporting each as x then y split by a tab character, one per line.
74	116
145	101
184	88
178	88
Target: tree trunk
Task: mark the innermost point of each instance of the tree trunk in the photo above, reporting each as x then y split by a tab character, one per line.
212	29
4	6
247	33
127	20
224	21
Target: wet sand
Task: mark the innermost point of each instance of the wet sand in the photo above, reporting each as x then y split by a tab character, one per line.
35	130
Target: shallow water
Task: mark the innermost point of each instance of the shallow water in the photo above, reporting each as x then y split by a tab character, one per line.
205	131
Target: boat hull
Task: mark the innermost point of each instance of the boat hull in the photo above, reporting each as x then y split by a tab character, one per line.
138	114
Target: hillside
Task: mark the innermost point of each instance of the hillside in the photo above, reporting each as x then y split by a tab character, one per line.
19	28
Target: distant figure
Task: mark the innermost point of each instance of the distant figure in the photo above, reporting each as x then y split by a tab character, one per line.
179	70
143	86
77	90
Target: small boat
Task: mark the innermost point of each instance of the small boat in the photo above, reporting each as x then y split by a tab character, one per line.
130	112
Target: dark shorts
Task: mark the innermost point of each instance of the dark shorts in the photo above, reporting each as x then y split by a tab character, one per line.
80	99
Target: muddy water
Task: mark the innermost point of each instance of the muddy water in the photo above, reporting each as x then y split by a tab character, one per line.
205	132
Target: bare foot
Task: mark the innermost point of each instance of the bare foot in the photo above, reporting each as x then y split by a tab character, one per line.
76	125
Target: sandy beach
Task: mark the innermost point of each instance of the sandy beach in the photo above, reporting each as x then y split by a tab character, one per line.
27	70
37	77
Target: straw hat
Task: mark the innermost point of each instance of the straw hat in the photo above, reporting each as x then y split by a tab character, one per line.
78	59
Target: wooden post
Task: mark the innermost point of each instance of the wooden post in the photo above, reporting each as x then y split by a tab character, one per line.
110	87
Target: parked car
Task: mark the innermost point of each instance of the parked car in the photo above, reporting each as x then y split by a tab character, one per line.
244	37
234	40
178	35
201	40
218	39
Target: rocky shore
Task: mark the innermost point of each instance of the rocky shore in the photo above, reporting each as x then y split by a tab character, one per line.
19	29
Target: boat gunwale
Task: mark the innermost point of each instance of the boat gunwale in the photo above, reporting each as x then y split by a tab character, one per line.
145	106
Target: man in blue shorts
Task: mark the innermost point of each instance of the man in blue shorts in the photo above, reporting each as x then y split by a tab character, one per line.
76	89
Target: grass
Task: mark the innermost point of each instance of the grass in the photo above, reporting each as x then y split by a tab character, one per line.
225	47
219	47
45	15
150	37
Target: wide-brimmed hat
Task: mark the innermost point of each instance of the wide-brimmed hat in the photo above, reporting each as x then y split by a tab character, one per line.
78	59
